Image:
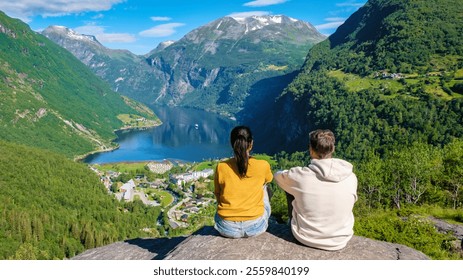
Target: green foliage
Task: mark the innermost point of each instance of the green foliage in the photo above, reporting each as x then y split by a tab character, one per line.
205	165
49	98
412	175
163	197
341	86
400	36
410	230
453	171
54	208
458	87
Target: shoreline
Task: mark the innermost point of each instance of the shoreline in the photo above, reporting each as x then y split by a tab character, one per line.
173	161
115	146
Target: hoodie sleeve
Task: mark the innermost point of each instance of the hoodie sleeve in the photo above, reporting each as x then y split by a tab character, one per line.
284	181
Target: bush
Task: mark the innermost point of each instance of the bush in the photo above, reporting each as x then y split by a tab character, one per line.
458	88
411	230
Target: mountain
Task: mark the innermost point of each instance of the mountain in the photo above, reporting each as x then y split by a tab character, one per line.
52	100
213	67
126	72
390	76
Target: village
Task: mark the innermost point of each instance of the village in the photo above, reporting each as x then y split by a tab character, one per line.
181	194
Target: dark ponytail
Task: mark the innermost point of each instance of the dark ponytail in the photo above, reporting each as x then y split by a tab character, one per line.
241	141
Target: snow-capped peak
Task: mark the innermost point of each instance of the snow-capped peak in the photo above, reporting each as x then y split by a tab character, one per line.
72	34
265	20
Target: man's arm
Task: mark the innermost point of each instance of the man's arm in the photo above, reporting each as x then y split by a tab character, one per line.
284	181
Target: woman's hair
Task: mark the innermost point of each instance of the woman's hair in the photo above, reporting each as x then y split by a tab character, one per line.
241	141
322	142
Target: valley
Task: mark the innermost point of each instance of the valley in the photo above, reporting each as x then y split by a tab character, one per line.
388	83
184	195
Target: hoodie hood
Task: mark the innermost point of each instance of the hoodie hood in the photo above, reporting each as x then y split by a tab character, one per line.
333	169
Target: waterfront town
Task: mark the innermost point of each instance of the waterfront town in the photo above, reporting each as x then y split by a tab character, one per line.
181	194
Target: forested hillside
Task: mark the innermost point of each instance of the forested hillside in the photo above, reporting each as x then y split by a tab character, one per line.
53	208
390	76
50	99
388	83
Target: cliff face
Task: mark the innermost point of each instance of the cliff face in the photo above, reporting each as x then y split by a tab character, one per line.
275	244
214	67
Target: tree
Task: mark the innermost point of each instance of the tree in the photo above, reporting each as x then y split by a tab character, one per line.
371	179
410	172
453	169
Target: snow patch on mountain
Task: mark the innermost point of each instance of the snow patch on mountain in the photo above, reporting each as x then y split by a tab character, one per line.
72	34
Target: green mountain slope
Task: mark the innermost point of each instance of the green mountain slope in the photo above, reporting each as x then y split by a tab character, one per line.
401	36
389	76
54	208
49	99
124	71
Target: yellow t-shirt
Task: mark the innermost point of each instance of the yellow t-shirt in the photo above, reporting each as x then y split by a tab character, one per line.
241	199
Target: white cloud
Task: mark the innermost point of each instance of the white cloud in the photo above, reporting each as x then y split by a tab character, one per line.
98	16
262	3
25	9
329	25
99	33
248	14
162	30
160	18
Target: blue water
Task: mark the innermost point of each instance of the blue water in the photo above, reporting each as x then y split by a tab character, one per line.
186	135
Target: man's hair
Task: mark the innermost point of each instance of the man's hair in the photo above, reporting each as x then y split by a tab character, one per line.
322	142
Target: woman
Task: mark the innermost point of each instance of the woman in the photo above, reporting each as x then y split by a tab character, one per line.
243	206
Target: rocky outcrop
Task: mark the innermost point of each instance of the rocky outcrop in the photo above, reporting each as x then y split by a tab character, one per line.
275	244
455	230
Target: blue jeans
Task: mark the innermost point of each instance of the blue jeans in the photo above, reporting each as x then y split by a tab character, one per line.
244	228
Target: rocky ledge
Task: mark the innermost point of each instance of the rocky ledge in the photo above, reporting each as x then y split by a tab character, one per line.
275	244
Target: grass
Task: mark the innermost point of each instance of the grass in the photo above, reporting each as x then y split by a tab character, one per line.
166	197
275	67
355	83
136	121
432	86
122	166
205	165
452	216
459	74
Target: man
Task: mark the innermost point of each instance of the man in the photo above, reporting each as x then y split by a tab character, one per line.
324	196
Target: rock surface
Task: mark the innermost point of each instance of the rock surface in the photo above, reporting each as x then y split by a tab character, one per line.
275	244
455	230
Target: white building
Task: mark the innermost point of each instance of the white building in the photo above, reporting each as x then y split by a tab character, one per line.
128	189
182	179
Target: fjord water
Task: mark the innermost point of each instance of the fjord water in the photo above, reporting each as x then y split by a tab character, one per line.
185	134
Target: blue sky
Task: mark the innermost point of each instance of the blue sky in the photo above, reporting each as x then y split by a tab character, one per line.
140	25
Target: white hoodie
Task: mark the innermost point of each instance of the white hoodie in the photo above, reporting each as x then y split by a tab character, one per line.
324	195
